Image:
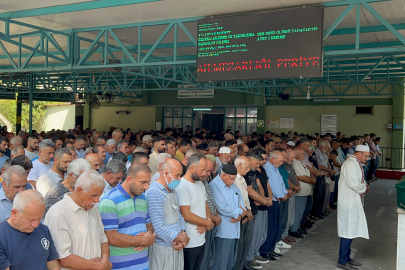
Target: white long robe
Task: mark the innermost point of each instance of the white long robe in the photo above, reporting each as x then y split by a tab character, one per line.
352	221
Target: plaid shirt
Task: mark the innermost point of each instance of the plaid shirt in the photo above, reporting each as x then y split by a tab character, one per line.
210	199
54	195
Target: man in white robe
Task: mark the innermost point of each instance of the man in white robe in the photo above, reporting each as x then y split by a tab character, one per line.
352	221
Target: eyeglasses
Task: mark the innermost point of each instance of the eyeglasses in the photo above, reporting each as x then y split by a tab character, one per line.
75	175
367	156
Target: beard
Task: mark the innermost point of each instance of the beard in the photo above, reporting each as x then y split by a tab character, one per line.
195	177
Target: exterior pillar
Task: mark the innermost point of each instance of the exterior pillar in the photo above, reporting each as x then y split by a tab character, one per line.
398	114
18	115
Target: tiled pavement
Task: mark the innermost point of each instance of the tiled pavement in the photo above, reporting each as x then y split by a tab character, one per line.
319	249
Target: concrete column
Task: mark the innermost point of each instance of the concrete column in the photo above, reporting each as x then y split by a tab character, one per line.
261	115
86	116
159	116
398	114
401	240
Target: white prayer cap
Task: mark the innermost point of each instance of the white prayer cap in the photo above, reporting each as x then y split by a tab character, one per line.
146	138
291	143
224	150
239	141
362	148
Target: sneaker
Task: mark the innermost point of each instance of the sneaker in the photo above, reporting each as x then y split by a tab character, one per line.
270	258
295	234
302	232
281	244
254	264
276	255
260	259
277	251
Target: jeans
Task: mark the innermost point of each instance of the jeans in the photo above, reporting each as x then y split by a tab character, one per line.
344	250
193	257
300	204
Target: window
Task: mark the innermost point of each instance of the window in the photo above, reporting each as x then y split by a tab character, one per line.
364	110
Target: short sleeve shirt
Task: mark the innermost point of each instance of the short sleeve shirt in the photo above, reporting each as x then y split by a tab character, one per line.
262	175
28	251
250	179
38	169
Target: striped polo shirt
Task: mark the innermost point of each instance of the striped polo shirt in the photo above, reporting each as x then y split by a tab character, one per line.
119	211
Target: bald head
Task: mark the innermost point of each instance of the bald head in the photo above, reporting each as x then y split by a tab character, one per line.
242	164
94	161
170	170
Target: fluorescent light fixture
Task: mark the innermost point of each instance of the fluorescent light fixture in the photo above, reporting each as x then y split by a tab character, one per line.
201	109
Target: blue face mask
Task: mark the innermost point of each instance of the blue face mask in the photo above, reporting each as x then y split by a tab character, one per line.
175	183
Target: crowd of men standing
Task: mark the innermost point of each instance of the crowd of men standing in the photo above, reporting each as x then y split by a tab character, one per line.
166	200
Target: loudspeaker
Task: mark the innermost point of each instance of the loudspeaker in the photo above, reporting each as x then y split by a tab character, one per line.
284	96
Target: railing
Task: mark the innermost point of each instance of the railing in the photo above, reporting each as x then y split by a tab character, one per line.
392	158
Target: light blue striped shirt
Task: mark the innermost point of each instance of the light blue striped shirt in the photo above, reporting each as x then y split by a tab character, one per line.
275	181
227	200
156	201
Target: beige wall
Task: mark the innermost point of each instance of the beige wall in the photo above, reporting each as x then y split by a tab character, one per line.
57	117
307	119
139	118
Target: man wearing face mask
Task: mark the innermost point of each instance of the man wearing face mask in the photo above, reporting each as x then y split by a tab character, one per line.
229	202
195	210
164	212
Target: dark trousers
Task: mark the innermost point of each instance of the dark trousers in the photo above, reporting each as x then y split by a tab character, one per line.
226	251
272	229
243	244
318	196
193	257
308	207
371	169
283	214
344	250
209	253
377	162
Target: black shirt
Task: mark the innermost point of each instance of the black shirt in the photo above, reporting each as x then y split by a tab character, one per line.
250	179
184	169
264	179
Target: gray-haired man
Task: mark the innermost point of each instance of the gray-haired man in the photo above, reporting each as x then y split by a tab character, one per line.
44	162
114	172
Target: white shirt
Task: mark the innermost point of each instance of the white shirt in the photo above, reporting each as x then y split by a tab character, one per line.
302	170
193	195
81	153
75	230
47	181
155	177
107	189
31	155
152	162
241	184
38	169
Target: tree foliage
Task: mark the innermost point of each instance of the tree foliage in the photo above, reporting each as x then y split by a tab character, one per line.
9	111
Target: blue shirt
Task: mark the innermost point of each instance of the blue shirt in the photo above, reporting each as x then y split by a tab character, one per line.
5	206
227	200
3	158
28	251
156	198
275	181
107	157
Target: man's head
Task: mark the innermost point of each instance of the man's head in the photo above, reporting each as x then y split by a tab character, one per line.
46	150
344	143
17	151
269	146
210	168
110	146
171	146
300	154
101	140
335	144
170	170
255	159
161	159
196	167
305	143
276	158
362	153
16	141
242	165
138	179
148	140
94	161
114	172
80	142
243	149
213	148
140	157
3	144
57	141
290	156
232	144
198	139
88	189
339	136
120	156
228	174
28	210
224	155
159	143
32	143
123	147
117	135
185	144
75	169
100	151
62	160
324	146
14	181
